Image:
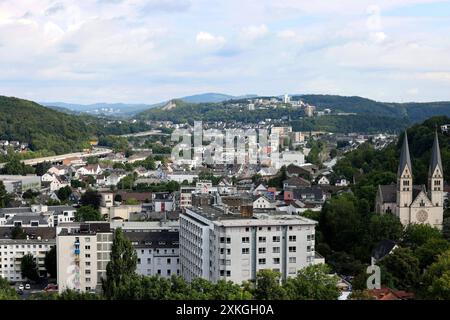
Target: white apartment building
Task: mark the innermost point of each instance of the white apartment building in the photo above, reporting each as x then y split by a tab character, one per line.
218	245
83	252
37	243
36	216
186	196
157	251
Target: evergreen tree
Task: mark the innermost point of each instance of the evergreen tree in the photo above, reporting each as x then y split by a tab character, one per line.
121	268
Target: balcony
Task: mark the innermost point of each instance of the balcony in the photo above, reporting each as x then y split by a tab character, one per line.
77	251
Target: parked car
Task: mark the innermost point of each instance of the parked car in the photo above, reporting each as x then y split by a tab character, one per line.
27	286
21	287
51	287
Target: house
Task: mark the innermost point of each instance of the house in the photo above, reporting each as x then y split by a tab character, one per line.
385	293
58	170
262	202
260	190
296	182
90	169
382	249
313	195
304	170
323	181
58	183
342	182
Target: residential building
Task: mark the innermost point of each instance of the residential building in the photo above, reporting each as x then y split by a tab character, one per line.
37	242
216	244
83	252
157	251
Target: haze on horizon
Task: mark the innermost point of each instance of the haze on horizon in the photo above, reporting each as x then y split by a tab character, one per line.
147	51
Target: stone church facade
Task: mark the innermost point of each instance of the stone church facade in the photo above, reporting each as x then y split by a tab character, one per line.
415	203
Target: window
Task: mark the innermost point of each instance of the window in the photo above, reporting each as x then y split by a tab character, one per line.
262	239
262	250
139	261
276	239
292	249
276	249
222	239
88	272
245	239
88	263
245	250
292	260
308	248
276	260
87	255
85	247
292	238
262	261
168	261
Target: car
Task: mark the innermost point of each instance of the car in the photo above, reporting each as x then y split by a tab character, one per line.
51	287
21	287
27	286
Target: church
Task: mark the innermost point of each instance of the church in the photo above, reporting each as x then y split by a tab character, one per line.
415	203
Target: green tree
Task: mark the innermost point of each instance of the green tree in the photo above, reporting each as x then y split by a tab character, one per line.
131	201
4	197
50	262
267	286
401	269
416	235
64	193
91	198
6	292
341	223
42	167
384	227
312	283
436	280
15	166
430	250
28	267
88	213
121	268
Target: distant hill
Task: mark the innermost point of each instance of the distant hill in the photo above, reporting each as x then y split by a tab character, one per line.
43	128
369	115
103	109
213	97
129	110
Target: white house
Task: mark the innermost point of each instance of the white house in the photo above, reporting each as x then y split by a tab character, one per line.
323	181
342	182
263	203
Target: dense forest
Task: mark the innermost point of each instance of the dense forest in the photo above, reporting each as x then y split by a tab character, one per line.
48	131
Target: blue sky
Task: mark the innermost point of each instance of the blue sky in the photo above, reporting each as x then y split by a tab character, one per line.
146	51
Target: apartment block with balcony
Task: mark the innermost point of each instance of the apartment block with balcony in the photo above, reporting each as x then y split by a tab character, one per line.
83	252
37	241
217	244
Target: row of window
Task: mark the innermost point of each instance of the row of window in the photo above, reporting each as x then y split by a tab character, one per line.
149	260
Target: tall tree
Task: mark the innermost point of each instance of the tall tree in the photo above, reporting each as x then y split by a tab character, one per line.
28	267
313	283
4	197
50	262
88	213
121	267
268	286
91	198
401	269
436	280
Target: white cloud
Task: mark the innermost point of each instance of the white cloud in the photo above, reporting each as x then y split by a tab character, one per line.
207	39
286	34
252	33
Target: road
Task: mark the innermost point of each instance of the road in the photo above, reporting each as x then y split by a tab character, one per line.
145	133
95	153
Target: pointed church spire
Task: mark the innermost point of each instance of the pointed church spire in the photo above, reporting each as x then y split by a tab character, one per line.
435	156
405	159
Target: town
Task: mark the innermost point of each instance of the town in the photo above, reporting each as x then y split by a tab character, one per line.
183	217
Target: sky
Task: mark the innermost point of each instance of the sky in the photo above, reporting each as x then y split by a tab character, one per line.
147	51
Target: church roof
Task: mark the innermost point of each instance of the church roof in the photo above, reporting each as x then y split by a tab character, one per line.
388	193
405	159
435	156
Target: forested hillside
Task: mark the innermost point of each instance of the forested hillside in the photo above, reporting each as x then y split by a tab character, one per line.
51	131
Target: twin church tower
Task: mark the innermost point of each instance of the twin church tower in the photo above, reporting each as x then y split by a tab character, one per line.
415	203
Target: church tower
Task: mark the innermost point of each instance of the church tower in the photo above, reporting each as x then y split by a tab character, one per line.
404	182
436	175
